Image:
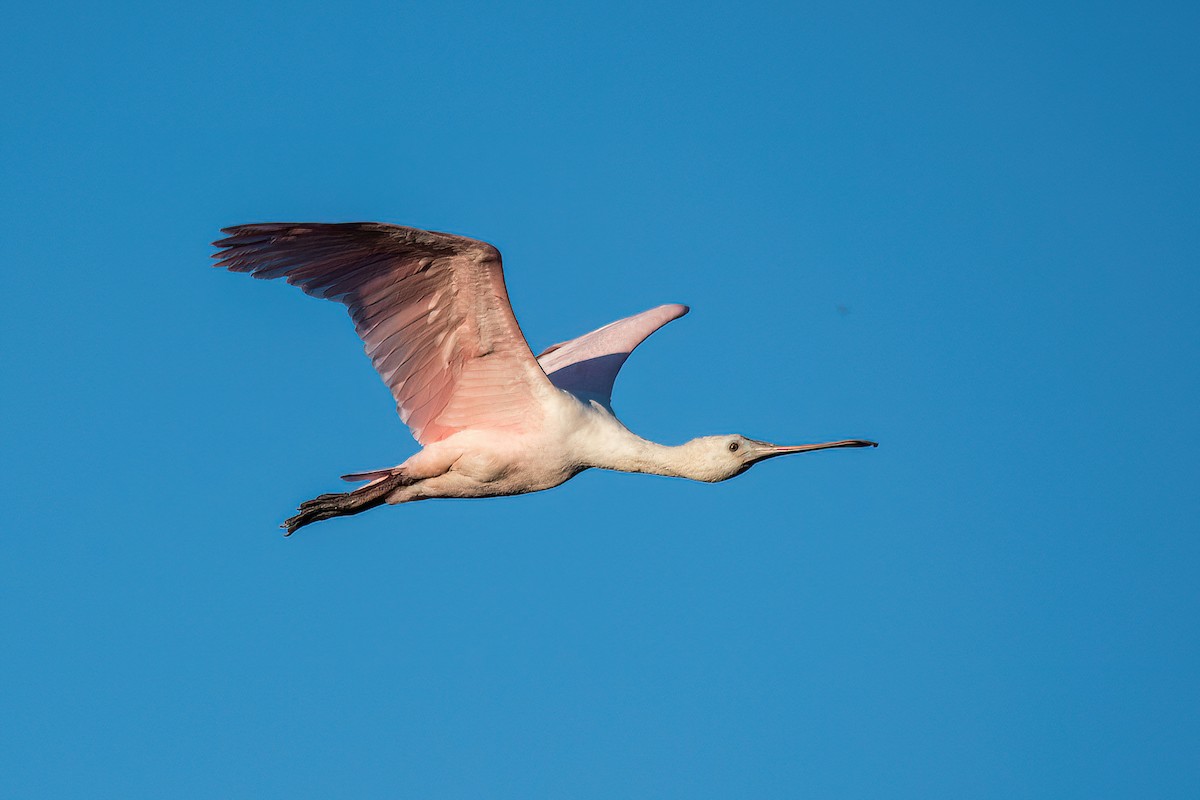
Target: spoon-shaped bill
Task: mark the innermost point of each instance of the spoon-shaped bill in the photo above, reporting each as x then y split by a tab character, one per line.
771	450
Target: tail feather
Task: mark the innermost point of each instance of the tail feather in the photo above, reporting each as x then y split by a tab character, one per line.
341	504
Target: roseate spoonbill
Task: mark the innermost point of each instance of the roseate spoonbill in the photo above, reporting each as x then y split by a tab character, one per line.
492	419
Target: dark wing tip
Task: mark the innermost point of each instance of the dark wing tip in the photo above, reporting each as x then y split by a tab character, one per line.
360	232
244	235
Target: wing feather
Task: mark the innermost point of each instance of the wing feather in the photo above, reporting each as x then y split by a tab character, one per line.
431	309
587	366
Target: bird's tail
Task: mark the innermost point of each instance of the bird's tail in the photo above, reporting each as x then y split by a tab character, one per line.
341	504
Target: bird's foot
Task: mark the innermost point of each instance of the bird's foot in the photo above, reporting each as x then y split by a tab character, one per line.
340	504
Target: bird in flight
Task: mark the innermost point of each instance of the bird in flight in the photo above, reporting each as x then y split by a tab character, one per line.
492	418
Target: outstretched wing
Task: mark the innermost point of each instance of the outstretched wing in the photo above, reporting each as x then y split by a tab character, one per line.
430	307
588	366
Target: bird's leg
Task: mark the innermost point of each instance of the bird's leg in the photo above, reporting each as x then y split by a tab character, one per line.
341	504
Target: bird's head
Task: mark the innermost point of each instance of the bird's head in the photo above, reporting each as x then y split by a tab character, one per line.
719	458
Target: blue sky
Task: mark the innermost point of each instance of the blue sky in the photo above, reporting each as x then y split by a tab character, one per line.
968	231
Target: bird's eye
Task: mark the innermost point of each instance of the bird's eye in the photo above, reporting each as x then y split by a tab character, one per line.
733	446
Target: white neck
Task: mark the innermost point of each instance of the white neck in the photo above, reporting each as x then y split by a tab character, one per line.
613	446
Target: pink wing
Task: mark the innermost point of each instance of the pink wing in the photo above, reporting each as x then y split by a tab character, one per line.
588	366
431	308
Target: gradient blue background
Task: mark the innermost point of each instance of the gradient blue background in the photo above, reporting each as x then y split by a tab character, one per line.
969	231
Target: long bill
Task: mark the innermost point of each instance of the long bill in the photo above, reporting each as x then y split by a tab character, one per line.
771	450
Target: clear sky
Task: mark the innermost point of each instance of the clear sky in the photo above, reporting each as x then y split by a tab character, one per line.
966	230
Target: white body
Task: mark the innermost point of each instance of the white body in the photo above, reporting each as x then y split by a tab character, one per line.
574	435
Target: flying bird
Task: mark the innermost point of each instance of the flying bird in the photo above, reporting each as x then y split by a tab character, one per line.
492	418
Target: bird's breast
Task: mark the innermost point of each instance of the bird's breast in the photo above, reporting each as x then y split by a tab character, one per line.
486	464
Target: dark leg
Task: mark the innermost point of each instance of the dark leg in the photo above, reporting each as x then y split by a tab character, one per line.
344	504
